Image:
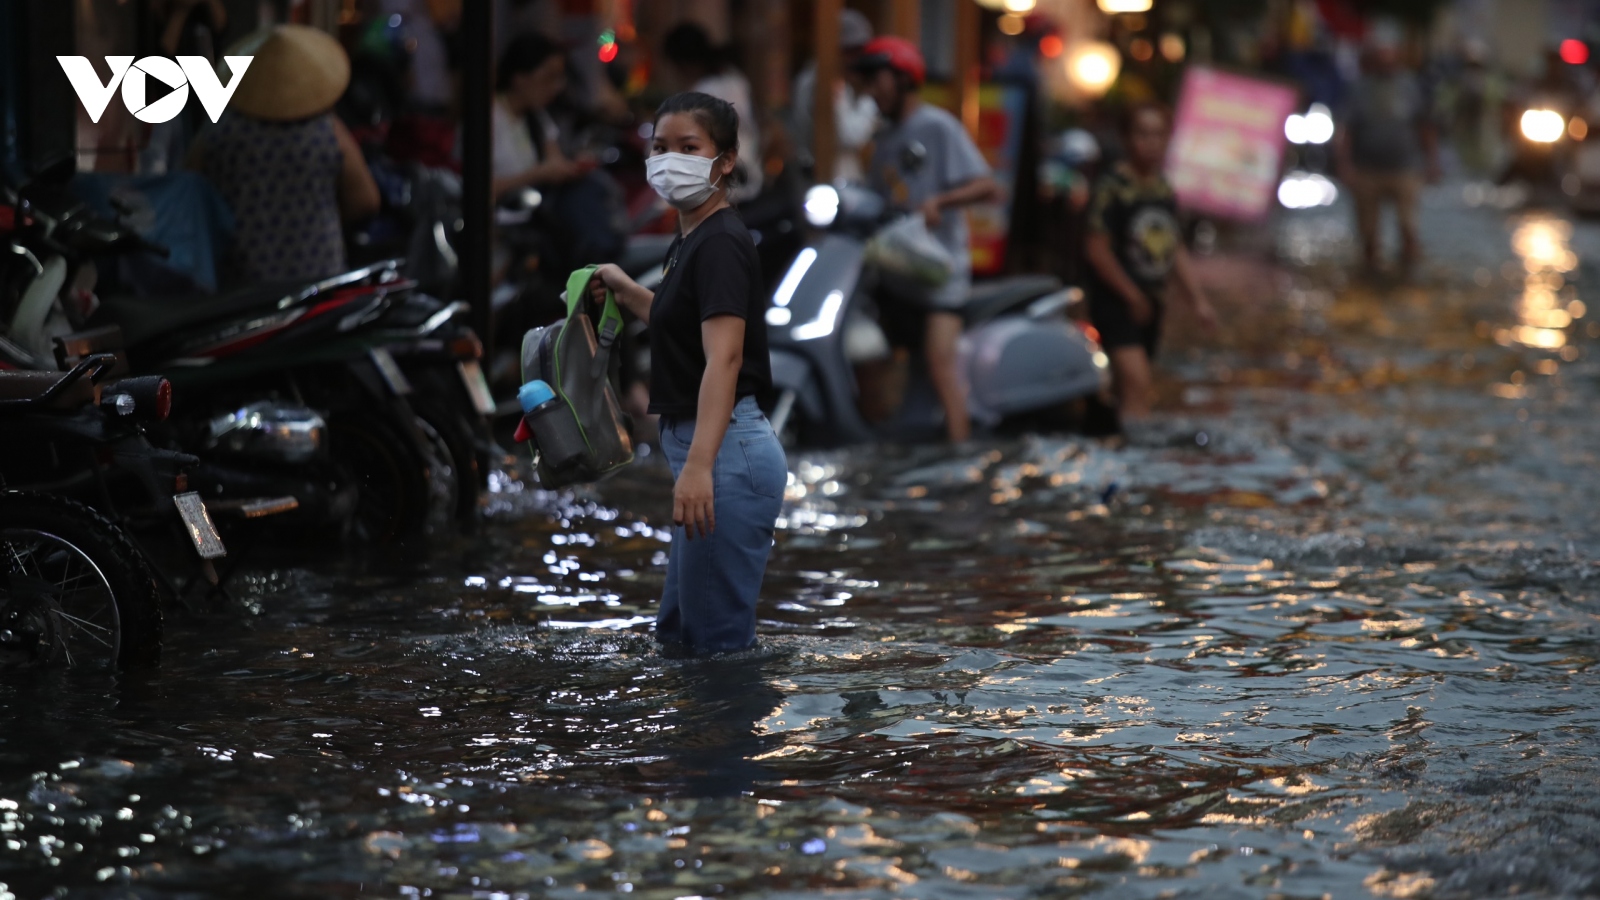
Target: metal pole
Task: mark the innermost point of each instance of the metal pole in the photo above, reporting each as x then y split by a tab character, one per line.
477	92
824	133
969	40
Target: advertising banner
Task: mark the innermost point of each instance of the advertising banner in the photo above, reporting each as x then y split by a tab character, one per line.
1227	143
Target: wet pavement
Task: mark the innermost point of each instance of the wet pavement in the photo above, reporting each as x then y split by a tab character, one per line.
1337	638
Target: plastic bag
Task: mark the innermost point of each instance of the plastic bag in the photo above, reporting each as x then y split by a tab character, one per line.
906	249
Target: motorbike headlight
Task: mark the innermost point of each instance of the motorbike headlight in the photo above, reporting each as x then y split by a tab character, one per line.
1543	126
822	205
270	431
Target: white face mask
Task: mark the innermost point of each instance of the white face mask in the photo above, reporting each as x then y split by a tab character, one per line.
681	179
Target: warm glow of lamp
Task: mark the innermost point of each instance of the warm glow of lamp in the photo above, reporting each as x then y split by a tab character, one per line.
1019	7
1124	6
1092	66
1172	47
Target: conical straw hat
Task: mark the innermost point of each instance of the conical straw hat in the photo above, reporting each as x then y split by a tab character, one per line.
297	72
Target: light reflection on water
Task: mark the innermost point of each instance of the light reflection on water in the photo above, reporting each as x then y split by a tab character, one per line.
1544	244
1348	647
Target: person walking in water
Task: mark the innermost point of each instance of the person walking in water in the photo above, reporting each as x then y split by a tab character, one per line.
708	350
1134	249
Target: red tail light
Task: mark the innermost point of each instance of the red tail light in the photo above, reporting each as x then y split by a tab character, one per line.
147	396
163	400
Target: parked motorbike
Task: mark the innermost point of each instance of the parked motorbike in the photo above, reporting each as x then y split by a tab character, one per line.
1022	357
80	481
289	393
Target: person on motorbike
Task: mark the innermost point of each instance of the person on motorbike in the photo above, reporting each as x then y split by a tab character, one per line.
708	344
1135	246
924	161
288	168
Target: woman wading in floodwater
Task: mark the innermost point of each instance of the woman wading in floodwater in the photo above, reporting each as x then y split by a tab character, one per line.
708	353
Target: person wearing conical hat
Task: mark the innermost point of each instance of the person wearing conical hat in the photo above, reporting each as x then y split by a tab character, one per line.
288	168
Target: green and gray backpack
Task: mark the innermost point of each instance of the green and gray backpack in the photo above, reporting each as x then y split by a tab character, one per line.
574	357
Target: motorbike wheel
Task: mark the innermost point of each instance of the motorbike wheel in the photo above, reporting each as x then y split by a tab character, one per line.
74	590
438	402
442	482
391	475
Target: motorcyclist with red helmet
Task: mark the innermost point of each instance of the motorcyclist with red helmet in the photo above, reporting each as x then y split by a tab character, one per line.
924	160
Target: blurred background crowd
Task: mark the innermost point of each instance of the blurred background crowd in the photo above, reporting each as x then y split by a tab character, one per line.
351	135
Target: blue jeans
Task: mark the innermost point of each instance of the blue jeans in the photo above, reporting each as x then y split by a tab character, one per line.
709	604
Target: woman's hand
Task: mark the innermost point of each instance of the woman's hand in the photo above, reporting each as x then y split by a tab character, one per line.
1140	307
1205	313
555	171
692	501
609	277
629	293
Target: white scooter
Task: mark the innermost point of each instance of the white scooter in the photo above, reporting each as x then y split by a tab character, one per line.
1022	357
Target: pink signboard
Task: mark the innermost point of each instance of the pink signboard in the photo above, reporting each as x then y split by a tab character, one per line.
1227	141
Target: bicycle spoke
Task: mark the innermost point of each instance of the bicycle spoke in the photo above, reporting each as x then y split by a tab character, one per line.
84	627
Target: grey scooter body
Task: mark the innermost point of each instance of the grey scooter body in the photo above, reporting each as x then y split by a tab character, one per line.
1021	355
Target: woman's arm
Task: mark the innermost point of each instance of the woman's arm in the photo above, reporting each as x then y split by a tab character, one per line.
629	293
1097	250
358	193
693	498
1183	267
554	171
983	189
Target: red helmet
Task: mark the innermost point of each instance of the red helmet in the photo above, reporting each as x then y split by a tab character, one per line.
895	53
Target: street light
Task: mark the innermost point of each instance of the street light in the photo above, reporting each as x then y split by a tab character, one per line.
1113	7
1092	66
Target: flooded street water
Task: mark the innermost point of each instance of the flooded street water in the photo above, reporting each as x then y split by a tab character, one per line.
1339	638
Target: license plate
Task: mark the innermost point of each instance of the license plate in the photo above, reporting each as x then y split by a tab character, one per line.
477	386
390	370
198	523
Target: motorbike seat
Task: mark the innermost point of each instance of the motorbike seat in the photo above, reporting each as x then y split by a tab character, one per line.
28	385
989	299
145	318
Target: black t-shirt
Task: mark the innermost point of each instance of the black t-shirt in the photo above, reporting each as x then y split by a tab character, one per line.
712	272
1140	216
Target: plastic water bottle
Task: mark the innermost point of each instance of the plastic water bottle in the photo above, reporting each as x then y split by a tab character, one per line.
555	429
534	394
